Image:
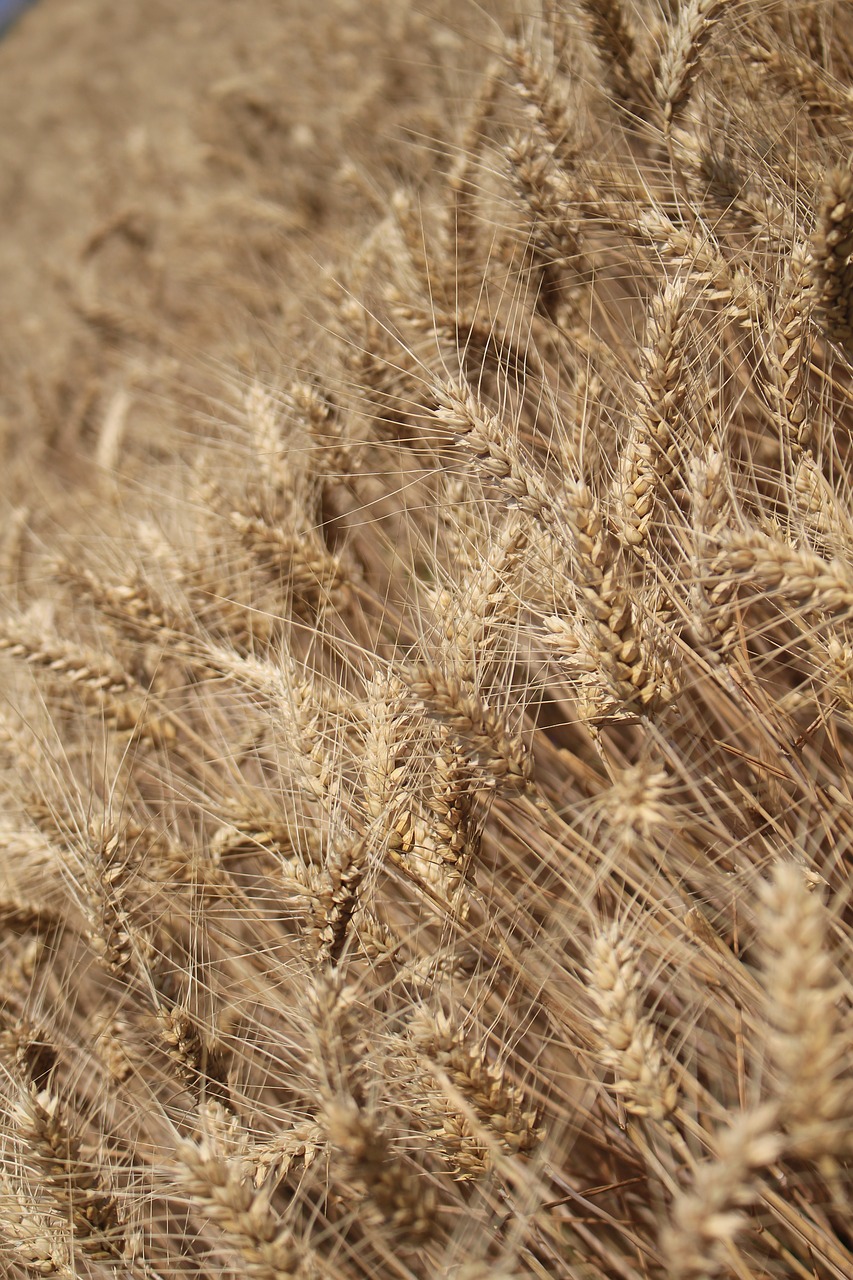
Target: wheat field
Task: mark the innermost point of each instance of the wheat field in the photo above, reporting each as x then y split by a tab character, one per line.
428	790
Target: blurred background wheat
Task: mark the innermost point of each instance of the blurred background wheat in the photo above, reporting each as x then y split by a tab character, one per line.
427	728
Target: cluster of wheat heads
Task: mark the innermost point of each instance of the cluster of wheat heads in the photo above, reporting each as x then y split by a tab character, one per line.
426	832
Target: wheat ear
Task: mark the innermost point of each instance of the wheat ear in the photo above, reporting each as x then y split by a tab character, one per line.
611	33
794	574
832	247
680	60
628	1042
402	1200
810	1052
100	681
604	640
79	1189
658	428
250	1227
705	1220
489	443
502	1117
499	753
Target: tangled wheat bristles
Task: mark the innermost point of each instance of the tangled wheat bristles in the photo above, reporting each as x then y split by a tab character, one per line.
427	818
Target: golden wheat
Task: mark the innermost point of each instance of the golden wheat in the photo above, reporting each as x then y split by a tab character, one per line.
426	840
